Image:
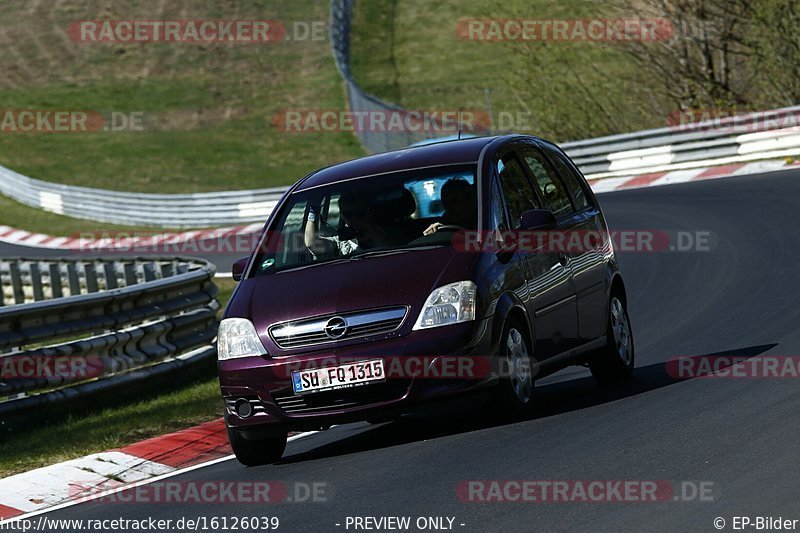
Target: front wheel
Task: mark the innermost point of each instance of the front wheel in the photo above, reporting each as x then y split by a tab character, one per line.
516	381
614	362
256	452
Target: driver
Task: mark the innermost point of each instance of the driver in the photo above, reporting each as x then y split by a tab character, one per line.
459	201
357	231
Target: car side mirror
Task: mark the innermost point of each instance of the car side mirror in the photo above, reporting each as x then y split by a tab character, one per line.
538	219
238	268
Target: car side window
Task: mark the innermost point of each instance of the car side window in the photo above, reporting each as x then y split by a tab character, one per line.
519	193
570	176
551	187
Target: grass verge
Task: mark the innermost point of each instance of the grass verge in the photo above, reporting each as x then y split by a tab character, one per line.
110	428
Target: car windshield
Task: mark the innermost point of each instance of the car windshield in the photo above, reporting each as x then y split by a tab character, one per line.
398	211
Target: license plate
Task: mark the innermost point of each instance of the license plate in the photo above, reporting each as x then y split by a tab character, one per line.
338	377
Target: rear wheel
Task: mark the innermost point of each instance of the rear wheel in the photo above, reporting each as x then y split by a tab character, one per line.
256	452
614	362
516	387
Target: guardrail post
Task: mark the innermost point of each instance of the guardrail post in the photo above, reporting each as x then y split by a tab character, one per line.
90	271
36	282
149	270
130	274
55	280
110	273
16	283
73	279
167	270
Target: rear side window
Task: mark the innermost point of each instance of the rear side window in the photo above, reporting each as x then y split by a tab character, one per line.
519	193
570	176
552	189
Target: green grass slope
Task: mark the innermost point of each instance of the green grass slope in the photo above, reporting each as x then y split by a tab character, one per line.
208	108
408	52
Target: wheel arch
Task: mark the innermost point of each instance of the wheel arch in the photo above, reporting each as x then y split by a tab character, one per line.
509	307
617	286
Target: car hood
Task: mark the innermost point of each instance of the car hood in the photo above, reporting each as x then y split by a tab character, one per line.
374	281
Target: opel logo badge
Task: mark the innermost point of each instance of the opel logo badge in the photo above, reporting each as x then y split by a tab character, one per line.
335	328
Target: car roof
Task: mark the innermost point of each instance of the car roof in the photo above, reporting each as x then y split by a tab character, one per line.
441	153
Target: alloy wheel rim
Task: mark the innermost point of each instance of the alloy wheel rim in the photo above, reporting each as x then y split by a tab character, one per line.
621	330
519	366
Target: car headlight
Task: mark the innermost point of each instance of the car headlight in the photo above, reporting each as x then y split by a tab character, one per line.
447	305
237	337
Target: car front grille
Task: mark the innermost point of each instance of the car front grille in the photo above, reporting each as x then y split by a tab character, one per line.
333	328
342	398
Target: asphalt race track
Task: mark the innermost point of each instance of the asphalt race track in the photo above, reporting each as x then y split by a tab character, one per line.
739	435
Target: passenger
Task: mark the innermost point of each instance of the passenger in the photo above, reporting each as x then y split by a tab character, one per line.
460	206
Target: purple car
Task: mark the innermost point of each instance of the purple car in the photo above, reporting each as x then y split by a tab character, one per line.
387	282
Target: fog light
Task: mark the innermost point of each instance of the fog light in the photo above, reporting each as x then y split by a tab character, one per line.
243	408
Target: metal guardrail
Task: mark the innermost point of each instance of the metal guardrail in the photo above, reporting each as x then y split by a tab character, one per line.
341	16
106	324
162	210
731	137
616	155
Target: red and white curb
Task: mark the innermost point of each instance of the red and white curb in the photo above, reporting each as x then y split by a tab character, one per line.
96	241
100	474
654	179
73	480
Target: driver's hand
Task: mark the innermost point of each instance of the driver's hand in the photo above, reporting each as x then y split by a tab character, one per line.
432	228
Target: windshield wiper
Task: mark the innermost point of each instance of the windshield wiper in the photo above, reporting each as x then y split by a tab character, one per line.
357	256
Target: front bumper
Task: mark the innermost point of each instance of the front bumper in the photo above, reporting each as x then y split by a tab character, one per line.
422	366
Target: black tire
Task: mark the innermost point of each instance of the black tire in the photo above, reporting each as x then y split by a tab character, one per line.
256	452
615	361
516	376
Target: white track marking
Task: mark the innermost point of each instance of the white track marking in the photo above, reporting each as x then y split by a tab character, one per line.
50	485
